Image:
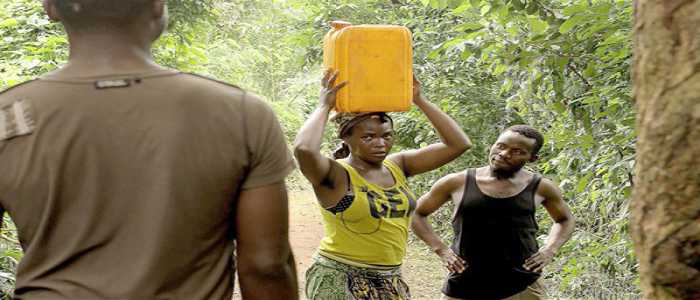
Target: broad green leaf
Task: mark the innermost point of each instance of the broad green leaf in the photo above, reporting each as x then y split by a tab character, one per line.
517	4
613	39
438	4
8	23
574	9
486	9
590	70
525	59
532	7
571	23
466	54
513	31
538	26
500	68
466	5
473	35
587	123
451	43
507	86
469	27
587	141
435	53
602	8
561	63
595	28
583	183
559	107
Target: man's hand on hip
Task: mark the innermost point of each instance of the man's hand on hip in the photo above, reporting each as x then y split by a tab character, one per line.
539	260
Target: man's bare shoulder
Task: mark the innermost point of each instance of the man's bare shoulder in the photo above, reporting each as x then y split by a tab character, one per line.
453	181
482	171
549	190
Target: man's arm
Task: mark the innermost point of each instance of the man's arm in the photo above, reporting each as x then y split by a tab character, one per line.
560	232
265	261
438	195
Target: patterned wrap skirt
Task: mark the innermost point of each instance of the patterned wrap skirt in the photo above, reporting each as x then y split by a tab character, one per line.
328	279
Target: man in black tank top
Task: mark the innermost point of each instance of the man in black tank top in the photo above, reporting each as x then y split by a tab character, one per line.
495	254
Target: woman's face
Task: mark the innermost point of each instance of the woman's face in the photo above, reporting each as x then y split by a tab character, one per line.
371	140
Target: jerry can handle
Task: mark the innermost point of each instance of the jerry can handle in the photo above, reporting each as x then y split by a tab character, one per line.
338	25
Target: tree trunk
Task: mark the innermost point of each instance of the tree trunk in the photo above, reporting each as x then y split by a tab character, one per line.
666	206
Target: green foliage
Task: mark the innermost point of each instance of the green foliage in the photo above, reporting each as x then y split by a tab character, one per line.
30	44
564	68
261	47
560	65
10	254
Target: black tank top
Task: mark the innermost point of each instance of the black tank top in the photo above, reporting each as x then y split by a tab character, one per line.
494	236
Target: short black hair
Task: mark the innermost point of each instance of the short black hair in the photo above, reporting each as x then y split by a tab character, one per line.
530	132
89	14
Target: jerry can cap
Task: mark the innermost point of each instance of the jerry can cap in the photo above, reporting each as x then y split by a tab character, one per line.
338	24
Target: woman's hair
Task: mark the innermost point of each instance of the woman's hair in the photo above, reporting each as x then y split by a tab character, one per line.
347	121
343	151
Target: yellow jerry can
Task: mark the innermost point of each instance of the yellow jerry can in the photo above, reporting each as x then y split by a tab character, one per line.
377	63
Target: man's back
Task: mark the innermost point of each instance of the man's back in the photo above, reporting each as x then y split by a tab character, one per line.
125	186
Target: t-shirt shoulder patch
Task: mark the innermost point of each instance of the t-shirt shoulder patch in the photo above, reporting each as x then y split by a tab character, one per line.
16	119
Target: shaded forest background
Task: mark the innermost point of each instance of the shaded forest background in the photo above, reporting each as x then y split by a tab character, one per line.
562	66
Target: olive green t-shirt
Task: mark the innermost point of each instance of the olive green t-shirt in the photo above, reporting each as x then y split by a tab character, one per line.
124	186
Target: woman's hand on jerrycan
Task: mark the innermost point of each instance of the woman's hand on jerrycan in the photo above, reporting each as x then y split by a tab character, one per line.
417	95
329	89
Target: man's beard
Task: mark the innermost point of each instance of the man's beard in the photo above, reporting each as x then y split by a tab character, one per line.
506	173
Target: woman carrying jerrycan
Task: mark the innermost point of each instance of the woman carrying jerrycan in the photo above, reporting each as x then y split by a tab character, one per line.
364	196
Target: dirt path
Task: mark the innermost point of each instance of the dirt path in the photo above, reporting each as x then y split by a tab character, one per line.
421	269
305	231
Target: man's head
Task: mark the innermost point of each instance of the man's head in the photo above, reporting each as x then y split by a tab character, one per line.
515	147
146	17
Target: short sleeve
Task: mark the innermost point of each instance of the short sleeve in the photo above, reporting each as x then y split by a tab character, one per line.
270	158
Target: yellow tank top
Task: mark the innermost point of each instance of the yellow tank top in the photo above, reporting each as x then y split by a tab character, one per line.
373	229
